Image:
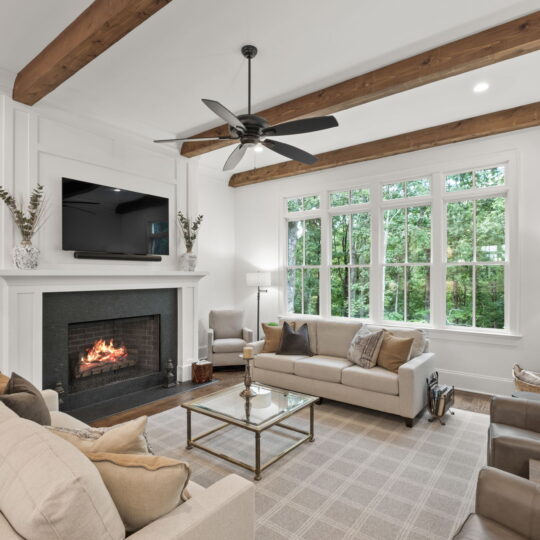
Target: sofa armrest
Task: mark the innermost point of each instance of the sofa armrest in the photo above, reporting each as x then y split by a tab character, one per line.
225	510
510	500
412	384
210	344
51	399
522	413
247	334
257	346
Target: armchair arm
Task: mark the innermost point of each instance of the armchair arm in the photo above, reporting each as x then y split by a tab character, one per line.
247	334
510	500
522	413
412	384
257	346
51	399
210	345
225	510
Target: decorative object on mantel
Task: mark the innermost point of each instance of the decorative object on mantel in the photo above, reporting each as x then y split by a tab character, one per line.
170	379
201	371
248	392
188	260
258	279
25	255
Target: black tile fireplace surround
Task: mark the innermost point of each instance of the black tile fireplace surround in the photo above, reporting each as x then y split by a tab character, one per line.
106	312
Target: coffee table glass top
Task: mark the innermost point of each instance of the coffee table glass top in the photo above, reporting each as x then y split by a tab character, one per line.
268	404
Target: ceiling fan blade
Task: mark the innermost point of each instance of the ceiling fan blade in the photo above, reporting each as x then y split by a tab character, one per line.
302	126
224	113
292	152
234	159
197	139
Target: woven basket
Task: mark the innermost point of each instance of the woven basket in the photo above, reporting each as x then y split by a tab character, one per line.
526	387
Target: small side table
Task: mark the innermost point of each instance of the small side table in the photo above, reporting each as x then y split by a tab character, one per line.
201	372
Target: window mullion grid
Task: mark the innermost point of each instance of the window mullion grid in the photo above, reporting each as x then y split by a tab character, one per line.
474	263
405	267
349	262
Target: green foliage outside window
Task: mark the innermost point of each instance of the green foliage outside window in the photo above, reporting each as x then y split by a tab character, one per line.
411	188
303	204
354	196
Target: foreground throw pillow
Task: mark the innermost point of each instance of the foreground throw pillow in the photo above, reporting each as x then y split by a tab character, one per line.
143	488
294	342
127	438
365	347
23	398
50	490
394	352
272	337
4	379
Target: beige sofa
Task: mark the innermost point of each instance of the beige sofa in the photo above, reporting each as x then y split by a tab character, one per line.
329	374
225	510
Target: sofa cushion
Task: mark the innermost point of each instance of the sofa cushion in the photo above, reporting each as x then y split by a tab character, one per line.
225	345
6	530
48	489
376	379
26	400
277	362
419	337
63	420
364	348
226	323
297	322
334	337
143	488
294	342
321	368
6	413
477	527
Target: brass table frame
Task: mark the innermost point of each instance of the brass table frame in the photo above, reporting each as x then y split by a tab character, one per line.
190	407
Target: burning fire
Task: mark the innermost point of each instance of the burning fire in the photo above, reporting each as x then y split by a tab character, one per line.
102	352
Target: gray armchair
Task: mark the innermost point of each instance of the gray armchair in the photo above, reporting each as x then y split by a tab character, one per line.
514	434
227	337
507	508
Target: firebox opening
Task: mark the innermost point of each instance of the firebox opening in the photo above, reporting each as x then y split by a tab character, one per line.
108	351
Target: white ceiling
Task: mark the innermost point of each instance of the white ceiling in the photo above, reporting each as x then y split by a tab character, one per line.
151	81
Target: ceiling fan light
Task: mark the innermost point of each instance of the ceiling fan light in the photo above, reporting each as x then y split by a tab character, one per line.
258	147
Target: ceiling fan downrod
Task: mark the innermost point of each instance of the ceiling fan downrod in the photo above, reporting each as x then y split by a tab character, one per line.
249	52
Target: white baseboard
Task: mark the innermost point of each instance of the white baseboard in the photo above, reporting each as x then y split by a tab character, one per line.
484	384
184	373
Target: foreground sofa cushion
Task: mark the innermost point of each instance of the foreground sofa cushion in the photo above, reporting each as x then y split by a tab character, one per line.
126	438
394	352
143	488
321	368
22	397
277	362
364	348
48	489
376	379
294	341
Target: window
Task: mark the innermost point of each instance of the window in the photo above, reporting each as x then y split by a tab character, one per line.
303	265
476	254
158	237
431	250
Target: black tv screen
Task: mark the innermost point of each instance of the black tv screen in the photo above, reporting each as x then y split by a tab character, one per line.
106	219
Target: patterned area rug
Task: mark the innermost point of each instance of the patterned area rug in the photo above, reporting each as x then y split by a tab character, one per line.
366	475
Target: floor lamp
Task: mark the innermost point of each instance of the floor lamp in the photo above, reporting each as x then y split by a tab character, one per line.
258	279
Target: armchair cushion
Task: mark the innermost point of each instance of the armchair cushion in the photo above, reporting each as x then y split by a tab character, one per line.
226	323
510	448
522	413
227	345
477	527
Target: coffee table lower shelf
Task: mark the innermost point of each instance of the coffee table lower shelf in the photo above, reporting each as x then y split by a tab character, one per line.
258	468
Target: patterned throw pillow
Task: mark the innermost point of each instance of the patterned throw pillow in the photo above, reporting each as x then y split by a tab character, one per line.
365	347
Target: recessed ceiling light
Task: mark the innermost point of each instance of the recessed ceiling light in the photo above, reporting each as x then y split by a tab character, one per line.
258	147
480	87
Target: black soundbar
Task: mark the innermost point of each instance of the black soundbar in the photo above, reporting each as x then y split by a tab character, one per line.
115	256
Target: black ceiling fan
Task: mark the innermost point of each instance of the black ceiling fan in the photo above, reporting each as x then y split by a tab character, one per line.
251	130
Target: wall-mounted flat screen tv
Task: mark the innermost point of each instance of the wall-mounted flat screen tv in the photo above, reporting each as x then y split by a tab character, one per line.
106	219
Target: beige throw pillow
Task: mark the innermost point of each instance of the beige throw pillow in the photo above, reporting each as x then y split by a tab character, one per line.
394	351
127	438
50	490
272	337
4	379
365	347
143	488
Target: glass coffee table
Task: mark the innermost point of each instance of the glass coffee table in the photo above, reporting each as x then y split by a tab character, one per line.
268	408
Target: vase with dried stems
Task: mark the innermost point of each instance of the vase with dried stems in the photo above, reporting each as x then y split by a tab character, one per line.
25	255
190	229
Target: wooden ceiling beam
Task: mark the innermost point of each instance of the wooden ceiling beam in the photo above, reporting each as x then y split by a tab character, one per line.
485	125
101	25
499	43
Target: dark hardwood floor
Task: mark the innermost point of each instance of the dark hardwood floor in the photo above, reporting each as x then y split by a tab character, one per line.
463	400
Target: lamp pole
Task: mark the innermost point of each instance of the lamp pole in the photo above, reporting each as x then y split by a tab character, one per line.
259	291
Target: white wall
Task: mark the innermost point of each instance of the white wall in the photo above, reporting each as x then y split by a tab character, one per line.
479	363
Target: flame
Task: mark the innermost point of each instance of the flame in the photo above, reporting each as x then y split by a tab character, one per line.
102	352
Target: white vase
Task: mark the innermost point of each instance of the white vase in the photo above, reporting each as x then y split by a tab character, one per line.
26	256
188	262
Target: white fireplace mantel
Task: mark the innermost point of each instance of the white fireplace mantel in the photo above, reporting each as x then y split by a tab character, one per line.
21	310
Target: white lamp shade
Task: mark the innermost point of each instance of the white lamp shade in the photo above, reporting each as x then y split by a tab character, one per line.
258	279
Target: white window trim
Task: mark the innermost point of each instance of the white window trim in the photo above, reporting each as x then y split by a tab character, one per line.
438	199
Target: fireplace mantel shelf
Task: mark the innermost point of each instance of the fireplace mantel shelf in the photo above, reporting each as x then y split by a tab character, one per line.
97	272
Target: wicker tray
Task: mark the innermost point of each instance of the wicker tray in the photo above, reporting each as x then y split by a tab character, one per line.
526	387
